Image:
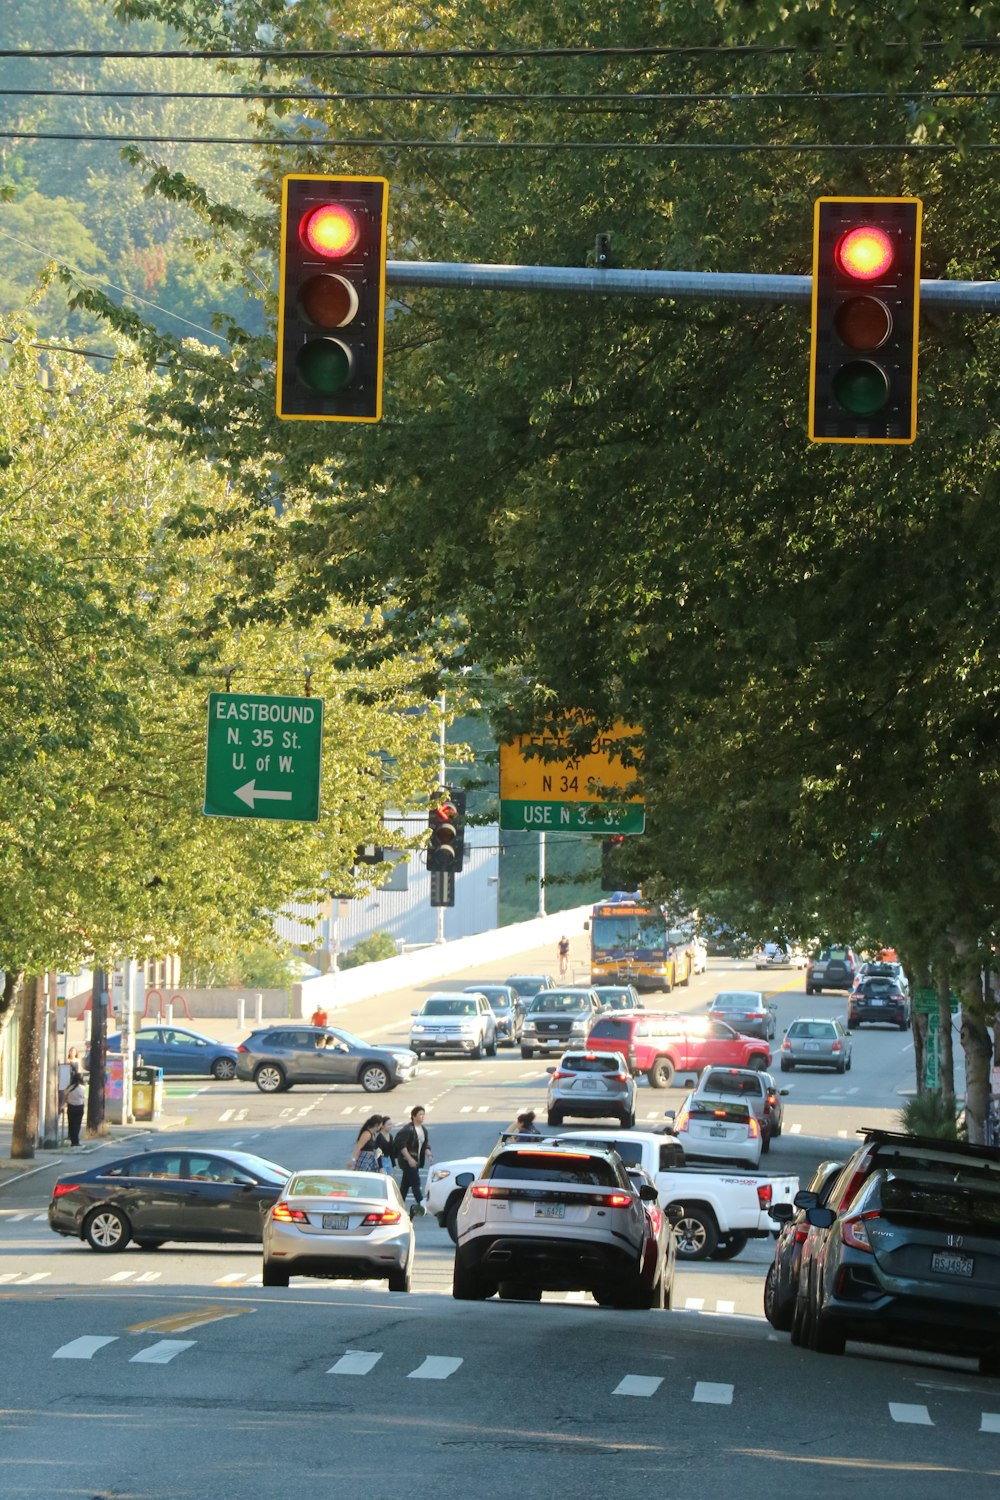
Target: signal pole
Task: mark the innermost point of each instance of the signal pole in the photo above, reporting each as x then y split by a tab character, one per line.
442	779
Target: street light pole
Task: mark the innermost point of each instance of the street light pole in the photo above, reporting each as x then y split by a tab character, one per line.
442	774
541	875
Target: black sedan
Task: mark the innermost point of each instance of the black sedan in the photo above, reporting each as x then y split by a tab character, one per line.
180	1194
782	1282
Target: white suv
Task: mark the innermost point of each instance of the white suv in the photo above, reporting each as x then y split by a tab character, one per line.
454	1023
553	1218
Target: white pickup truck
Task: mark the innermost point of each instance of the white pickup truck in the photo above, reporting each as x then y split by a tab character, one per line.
722	1210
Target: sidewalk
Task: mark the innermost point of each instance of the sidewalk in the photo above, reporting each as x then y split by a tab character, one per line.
64	1157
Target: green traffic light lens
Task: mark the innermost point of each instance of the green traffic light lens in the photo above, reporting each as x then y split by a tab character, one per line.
861	388
325	366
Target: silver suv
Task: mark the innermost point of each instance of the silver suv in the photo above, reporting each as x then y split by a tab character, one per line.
454	1023
592	1086
553	1218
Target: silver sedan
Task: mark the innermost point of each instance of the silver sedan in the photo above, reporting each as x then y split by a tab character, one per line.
339	1224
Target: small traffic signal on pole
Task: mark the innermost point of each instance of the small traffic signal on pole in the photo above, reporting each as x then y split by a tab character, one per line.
865	314
611	849
331	301
443	823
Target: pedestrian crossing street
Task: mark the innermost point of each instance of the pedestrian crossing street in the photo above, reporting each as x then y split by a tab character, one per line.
358	1364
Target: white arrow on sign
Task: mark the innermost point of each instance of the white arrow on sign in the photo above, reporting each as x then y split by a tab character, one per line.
249	795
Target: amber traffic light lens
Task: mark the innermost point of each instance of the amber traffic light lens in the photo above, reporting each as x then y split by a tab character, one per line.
329	301
863	323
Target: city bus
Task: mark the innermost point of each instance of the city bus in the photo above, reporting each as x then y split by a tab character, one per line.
630	943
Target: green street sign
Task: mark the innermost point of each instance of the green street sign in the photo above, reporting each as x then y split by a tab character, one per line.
927	1000
263	757
572	817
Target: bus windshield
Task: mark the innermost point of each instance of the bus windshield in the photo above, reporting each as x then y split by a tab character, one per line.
632	930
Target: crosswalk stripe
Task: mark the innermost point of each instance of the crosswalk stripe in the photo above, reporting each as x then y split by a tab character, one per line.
162	1352
227	1114
638	1385
24	1214
465	1109
120	1276
149	1276
9	1276
40	1219
576	1296
355	1362
84	1348
795	1129
990	1422
348	1109
435	1367
229	1279
713	1393
694	1304
38	1276
906	1411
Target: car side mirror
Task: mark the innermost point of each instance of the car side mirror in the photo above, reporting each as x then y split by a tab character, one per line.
464	1179
781	1213
783	1093
550	1070
670	1114
821	1218
648	1193
244	1182
805	1198
414	1012
675	1213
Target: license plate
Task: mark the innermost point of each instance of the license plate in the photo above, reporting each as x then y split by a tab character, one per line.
550	1210
589	1085
335	1221
878	1002
717	1130
951	1264
810	1047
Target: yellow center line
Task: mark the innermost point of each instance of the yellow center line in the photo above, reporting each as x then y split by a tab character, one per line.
182	1322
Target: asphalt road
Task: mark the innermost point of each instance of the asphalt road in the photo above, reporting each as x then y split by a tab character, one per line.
279	1389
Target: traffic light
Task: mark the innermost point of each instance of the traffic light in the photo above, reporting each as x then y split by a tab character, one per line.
446	819
865	313
331	303
611	849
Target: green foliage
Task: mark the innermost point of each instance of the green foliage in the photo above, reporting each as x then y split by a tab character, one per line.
258	968
369	950
928	1114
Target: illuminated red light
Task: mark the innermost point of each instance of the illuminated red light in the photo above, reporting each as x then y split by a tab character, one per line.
331	230
865	253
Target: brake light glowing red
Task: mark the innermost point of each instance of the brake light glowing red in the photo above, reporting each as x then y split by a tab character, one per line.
754	1128
786	1045
618	1200
285	1214
488	1190
62	1188
772	1098
560	1074
241	1048
387	1216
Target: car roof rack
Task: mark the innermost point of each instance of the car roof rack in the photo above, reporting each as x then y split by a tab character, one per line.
899	1138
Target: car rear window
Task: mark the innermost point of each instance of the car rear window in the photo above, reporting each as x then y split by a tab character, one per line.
959	1207
617	1029
879	986
609	1063
737	1000
733	1113
834	954
552	1166
815	1029
737	1084
629	1151
334	1185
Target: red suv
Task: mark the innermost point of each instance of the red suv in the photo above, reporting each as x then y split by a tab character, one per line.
661	1046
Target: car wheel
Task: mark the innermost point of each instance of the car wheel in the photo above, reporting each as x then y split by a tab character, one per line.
374	1078
817	990
401	1280
842	1065
758	1062
770	1294
810	990
903	1024
801	1319
661	1074
786	1066
828	1336
697	1235
274	1275
451	1215
477	1050
224	1069
730	1245
628	1122
468	1286
269	1078
149	1244
527	1053
491	1048
554	1118
765	1142
107	1229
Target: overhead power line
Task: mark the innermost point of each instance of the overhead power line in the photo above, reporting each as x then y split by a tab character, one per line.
452	96
461	54
324	143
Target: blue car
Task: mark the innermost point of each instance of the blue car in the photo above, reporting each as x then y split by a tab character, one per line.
179	1051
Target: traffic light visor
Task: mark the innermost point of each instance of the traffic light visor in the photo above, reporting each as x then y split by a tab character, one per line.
865	253
330	230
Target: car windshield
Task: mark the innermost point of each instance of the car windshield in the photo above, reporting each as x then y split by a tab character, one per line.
814	1029
449	1008
736	1084
738	1000
630	930
558	1000
350	1038
613	1026
608	1063
552	1166
333	1185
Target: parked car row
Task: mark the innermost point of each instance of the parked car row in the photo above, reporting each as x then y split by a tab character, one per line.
900	1245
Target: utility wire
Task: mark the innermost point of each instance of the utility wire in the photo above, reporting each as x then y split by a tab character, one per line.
448	96
736	148
461	54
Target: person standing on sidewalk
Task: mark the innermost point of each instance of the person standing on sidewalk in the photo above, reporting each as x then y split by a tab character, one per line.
76	1096
413	1151
318	1017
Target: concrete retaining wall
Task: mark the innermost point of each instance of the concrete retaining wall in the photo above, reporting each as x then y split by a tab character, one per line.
206	1004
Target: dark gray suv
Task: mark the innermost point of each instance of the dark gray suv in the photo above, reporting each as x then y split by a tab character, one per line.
283	1055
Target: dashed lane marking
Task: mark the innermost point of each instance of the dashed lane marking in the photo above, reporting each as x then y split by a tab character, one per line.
121	1276
38	1276
713	1393
905	1411
795	1129
83	1348
40	1219
435	1367
355	1362
482	1109
638	1385
162	1353
725	1307
227	1114
465	1109
694	1304
990	1422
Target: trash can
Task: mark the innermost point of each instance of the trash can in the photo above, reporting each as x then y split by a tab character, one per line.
147	1093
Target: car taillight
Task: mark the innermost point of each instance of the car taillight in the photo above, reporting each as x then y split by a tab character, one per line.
655	1218
786	1045
754	1128
751	1015
241	1048
387	1216
62	1188
772	1098
681	1122
287	1215
614	1200
487	1190
617	1077
854	1233
560	1074
765	1192
801	1233
835	1047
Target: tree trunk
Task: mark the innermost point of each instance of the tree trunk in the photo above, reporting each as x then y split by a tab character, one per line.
8	1001
98	1051
978	1046
24	1132
920	1049
947	1082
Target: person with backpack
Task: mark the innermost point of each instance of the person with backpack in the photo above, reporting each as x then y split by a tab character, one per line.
385	1144
413	1151
367	1151
75	1097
